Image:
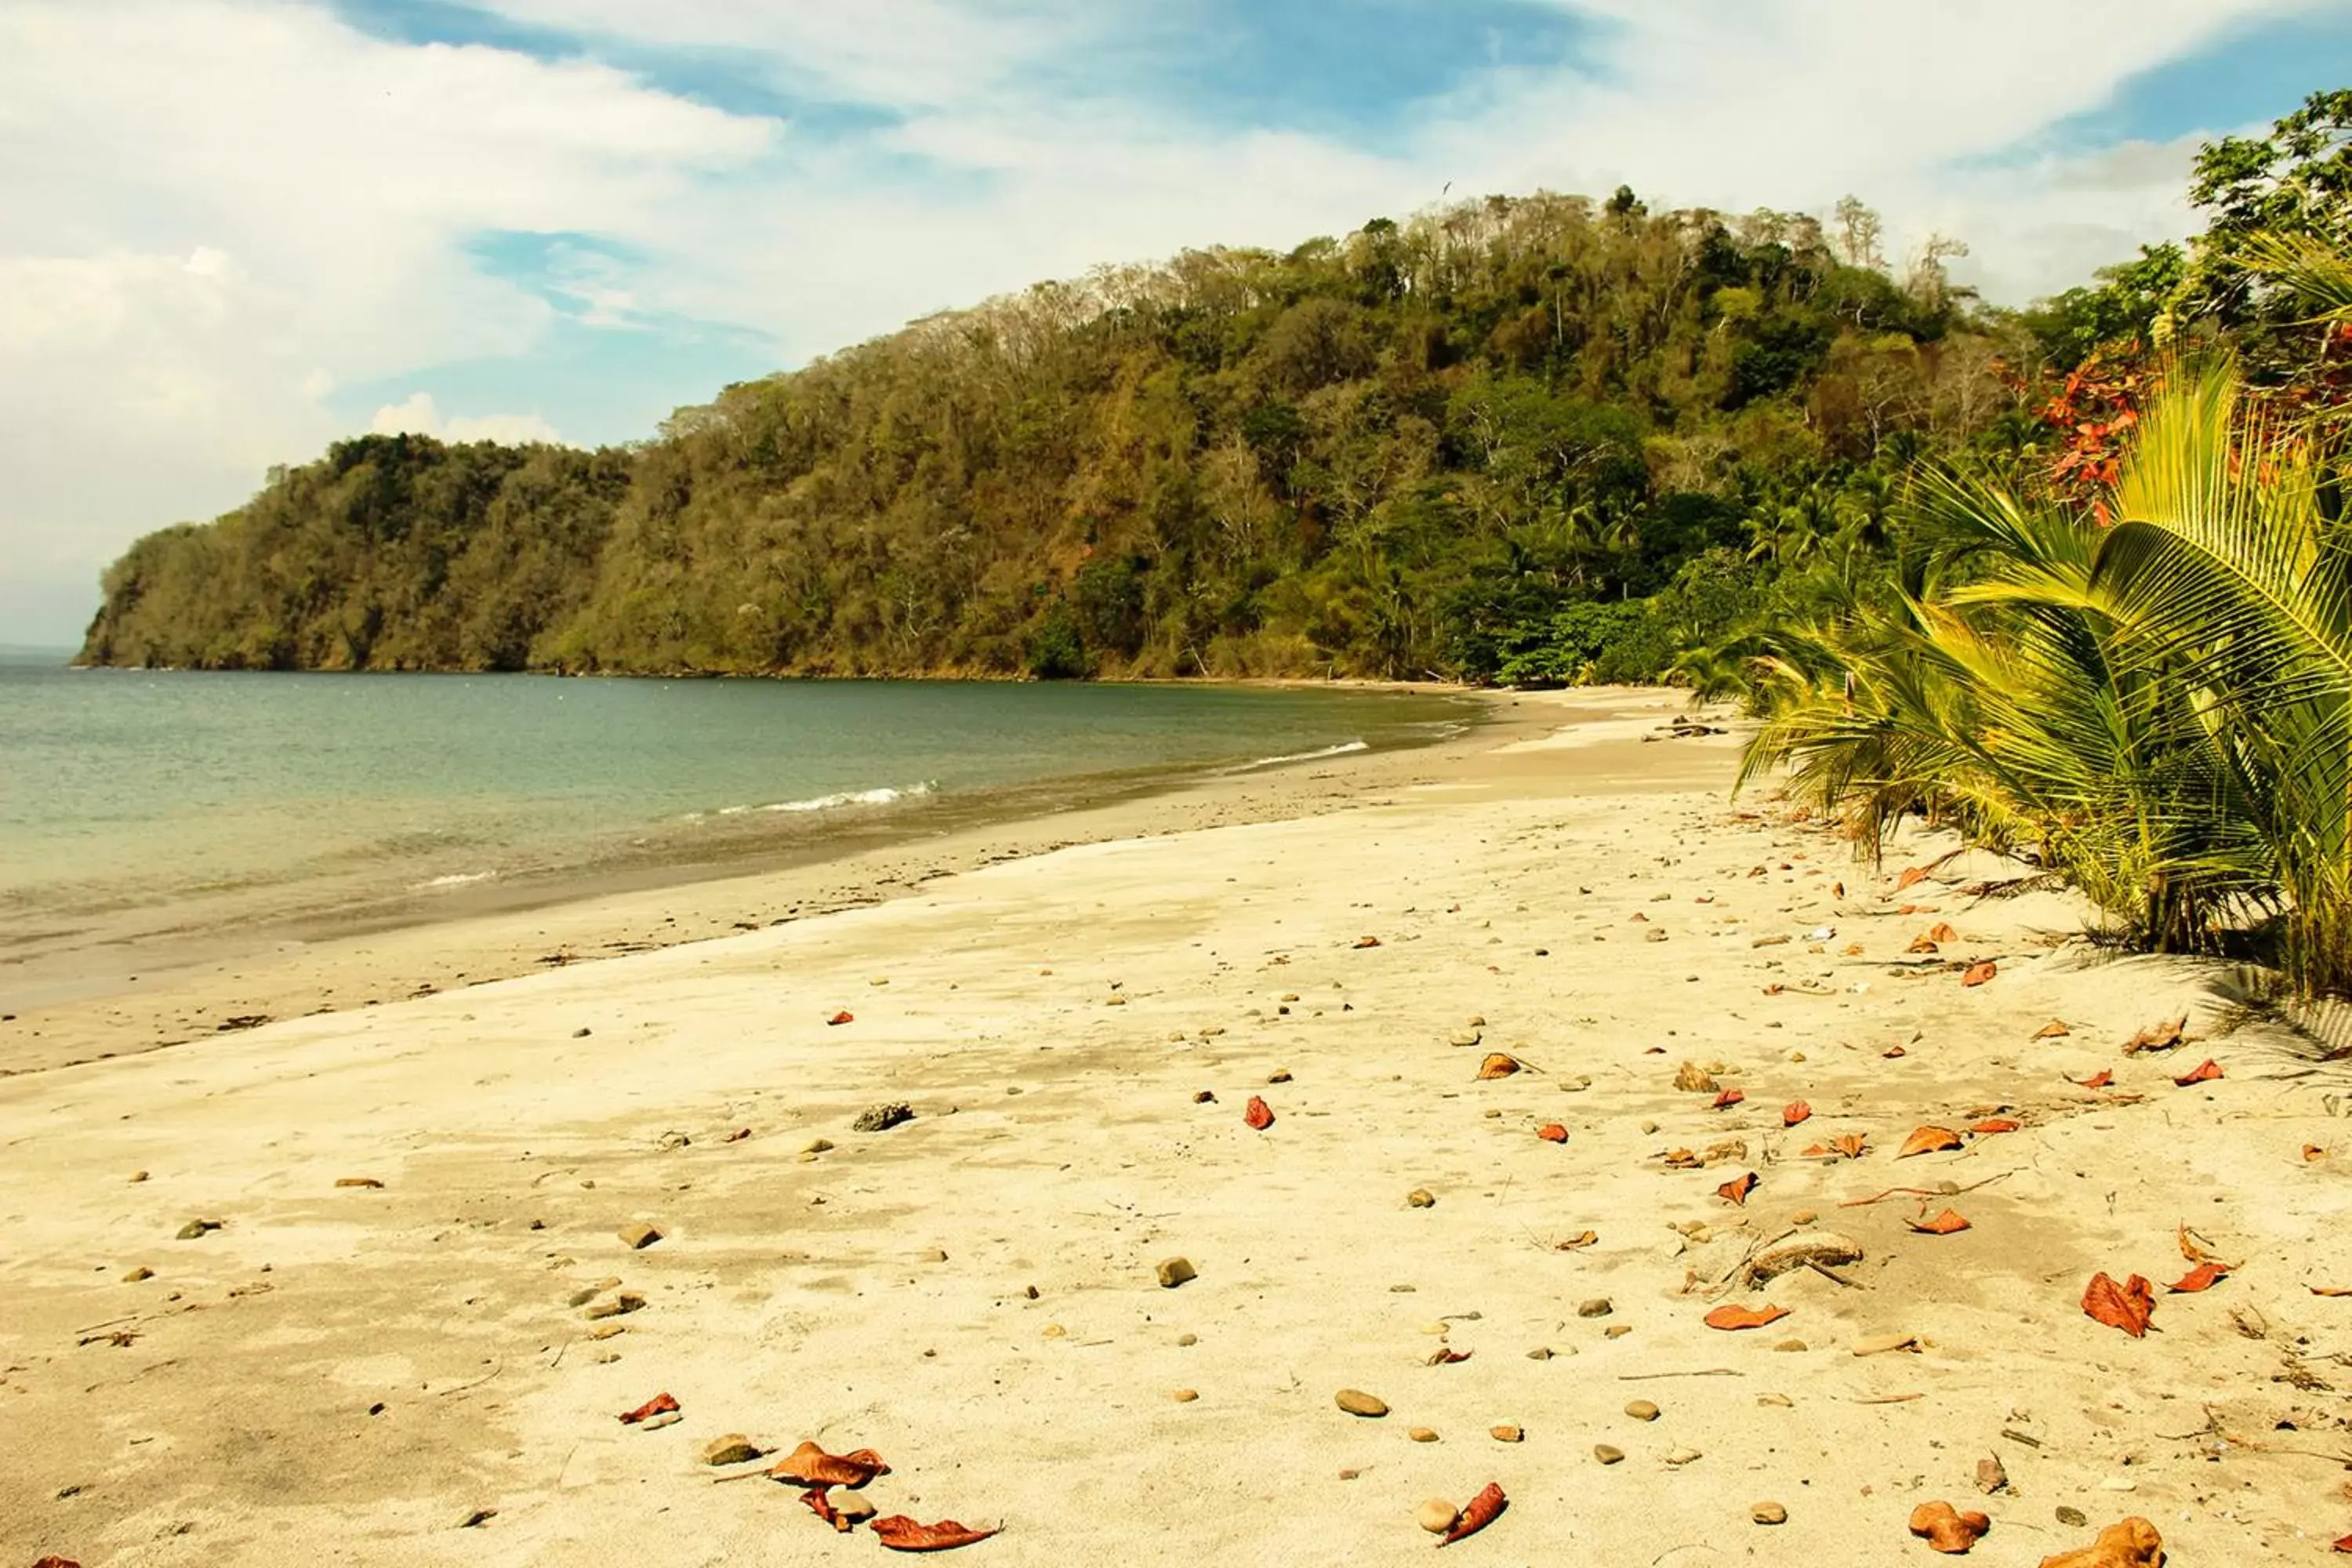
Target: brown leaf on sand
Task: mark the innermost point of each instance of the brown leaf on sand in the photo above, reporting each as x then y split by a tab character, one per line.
2197	1250
1945	1529
2052	1030
2312	1151
56	1563
1942	931
1727	1099
901	1534
1923	944
1482	1512
1944	1224
2157	1036
2204	1277
1795	1112
843	1018
2099	1079
1737	1190
810	1465
1995	1124
1497	1065
1850	1144
1581	1239
1447	1357
1552	1132
2127	1306
1683	1160
2331	1289
1929	1140
659	1405
1978	974
822	1505
2130	1543
1735	1317
2211	1070
1364	942
1257	1115
1912	877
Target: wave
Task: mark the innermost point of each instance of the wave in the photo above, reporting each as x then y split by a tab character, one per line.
1341	750
851	797
455	879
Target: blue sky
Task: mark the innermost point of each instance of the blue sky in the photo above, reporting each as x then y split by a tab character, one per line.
238	228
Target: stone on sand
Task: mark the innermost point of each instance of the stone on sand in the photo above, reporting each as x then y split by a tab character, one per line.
1437	1516
882	1118
1174	1271
1608	1453
1356	1402
636	1237
1769	1513
732	1449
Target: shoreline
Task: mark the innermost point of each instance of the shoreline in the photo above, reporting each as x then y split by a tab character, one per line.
171	993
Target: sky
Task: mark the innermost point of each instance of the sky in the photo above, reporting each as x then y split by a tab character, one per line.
232	231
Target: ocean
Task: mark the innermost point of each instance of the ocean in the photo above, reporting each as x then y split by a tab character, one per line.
141	805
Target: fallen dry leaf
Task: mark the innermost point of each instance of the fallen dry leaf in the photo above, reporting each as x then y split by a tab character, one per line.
1944	1224
2205	1074
2331	1289
1256	1114
2196	1249
810	1465
1978	974
1894	1053
843	1018
1929	1140
2127	1306
659	1405
1795	1112
1945	1529
1923	944
1583	1238
1497	1065
1727	1099
1552	1132
1734	1317
1850	1144
2128	1543
822	1505
2312	1151
1941	931
2157	1036
1482	1512
901	1534
1738	1188
1683	1160
2204	1277
1996	1124
2052	1030
1912	877
1447	1357
2099	1079
1364	942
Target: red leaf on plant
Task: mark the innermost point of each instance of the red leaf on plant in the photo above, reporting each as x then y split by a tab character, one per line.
843	1018
2205	1074
1978	974
2099	1079
1929	1140
2204	1277
1944	1224
1735	1317
1552	1132
1737	1189
1795	1112
810	1465
1257	1115
1997	1124
659	1405
1482	1511
1727	1099
901	1534
2127	1306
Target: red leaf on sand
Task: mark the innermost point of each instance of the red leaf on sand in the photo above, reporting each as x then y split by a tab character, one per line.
901	1534
2204	1277
1727	1099
2343	1544
810	1465
1737	1189
1894	1053
1944	1224
1929	1140
1448	1357
1363	941
1997	1124
1257	1115
2206	1074
1481	1513
1911	877
56	1563
1497	1065
659	1405
843	1018
822	1505
1942	931
1735	1317
1978	974
2099	1079
2052	1030
1793	1112
2127	1306
1552	1132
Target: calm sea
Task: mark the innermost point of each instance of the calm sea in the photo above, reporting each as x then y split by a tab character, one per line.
137	802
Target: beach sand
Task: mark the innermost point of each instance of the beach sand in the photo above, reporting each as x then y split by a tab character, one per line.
349	1374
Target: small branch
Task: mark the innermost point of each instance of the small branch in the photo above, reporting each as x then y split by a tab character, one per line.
1709	1371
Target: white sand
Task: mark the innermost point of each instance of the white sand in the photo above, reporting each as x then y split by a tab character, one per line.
1057	1145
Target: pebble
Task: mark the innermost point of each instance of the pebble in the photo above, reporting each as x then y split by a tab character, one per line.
1356	1402
1642	1410
625	1302
1804	1217
1188	1341
587	1293
816	1146
856	1509
1174	1271
1186	1396
138	1175
136	1274
1423	1434
1769	1513
734	1449
637	1237
655	1423
1607	1454
1464	1037
2119	1484
1421	1198
930	1254
1617	1330
1437	1516
1991	1476
806	1157
1494	1116
1541	1352
882	1118
1507	1434
1791	1345
1648	1127
1598	1307
197	1227
1054	1331
2073	1516
1680	1457
1282	1077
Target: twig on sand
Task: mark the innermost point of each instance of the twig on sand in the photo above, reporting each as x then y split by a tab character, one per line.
129	1318
1834	1277
1921	1191
1887	1399
460	1388
1709	1371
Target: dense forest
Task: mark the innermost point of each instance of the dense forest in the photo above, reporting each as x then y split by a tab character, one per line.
1543	437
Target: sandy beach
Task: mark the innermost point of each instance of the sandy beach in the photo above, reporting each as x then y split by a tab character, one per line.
389	1337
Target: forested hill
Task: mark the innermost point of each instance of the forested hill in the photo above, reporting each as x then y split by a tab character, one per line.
1540	437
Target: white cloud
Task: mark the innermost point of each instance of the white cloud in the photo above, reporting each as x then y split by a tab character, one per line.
220	211
416	414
